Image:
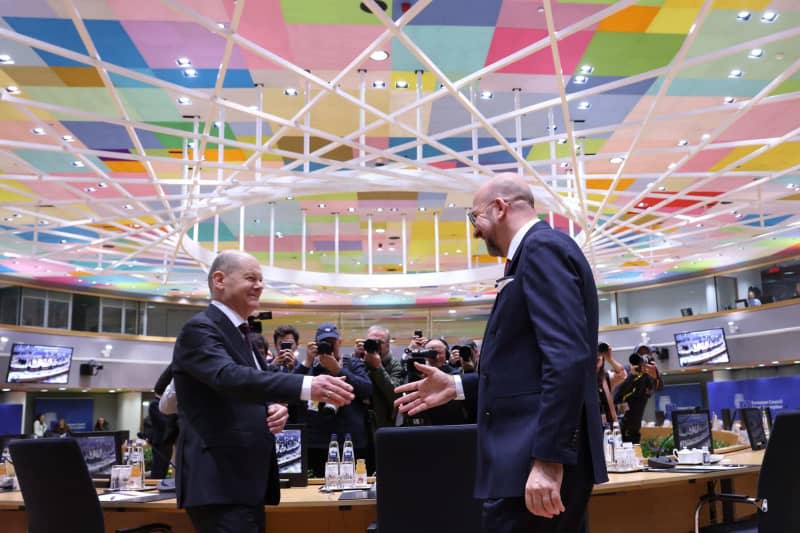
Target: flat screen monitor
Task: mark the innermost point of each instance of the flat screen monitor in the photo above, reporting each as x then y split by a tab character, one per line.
691	428
705	347
34	363
754	422
101	450
291	452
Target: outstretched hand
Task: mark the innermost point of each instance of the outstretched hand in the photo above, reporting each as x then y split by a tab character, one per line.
332	390
436	388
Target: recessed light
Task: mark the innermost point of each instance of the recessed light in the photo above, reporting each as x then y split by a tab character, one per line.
380	230
89	189
44	222
184	100
586	69
756	53
62	388
6	59
738	215
378	84
564	164
769	17
379	209
736	73
662	188
321	206
78	164
729	99
184	62
742	16
562	141
6	389
190	72
401	84
705	136
63	241
683	142
42	390
127	206
290	197
422	208
112	391
38	131
351	209
583	106
451	311
12	89
486	95
616	160
451	204
641	204
290	91
379	55
68	138
699	225
776	362
580	79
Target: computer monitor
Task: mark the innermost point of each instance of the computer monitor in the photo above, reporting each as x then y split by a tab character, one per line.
101	450
702	347
691	428
290	446
35	363
754	422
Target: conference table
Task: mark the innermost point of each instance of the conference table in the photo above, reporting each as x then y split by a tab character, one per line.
655	502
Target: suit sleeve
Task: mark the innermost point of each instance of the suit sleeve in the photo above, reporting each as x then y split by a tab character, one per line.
553	290
201	352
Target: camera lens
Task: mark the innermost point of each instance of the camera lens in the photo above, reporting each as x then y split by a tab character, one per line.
324	348
372	345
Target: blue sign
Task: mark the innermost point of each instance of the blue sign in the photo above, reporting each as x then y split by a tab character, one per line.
10	418
77	413
684	396
775	393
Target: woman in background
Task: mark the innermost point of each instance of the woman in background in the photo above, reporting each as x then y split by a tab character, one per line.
62	428
102	424
39	426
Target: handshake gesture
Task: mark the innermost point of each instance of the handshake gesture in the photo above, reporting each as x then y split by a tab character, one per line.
331	390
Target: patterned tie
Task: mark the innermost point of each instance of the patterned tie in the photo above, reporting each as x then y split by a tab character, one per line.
507	268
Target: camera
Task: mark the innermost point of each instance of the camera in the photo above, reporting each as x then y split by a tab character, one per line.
639	360
90	369
418	333
254	322
372	346
416	356
465	352
324	348
286	346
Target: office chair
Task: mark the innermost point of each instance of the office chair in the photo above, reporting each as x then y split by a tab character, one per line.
778	485
58	492
426	471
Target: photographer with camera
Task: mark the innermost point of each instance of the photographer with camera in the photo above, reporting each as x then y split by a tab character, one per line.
464	355
637	388
323	419
385	372
285	339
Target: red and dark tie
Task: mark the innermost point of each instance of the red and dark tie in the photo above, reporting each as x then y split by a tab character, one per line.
507	268
245	329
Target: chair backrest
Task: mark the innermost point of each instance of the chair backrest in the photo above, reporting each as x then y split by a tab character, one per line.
779	481
59	494
427	471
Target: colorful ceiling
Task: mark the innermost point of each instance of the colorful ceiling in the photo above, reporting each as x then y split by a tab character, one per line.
341	143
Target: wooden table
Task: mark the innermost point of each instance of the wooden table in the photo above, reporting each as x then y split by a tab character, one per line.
635	502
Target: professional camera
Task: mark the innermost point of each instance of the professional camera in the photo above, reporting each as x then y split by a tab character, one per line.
254	322
465	352
324	348
372	346
416	356
639	360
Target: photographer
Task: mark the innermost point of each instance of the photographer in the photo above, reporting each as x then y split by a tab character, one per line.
285	339
464	355
606	381
385	372
324	419
435	353
637	388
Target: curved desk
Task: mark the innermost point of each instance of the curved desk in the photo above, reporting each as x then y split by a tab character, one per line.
662	502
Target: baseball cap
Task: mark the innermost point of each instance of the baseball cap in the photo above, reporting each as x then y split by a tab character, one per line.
327	330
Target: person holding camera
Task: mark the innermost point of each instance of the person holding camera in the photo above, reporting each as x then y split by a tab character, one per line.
637	388
323	419
385	372
285	339
464	355
606	381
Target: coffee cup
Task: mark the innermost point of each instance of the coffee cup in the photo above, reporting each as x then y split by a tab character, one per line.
687	456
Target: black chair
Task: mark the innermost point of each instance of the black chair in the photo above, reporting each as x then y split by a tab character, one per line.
58	492
427	471
778	500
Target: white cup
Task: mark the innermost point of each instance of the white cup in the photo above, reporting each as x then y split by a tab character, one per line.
687	456
120	477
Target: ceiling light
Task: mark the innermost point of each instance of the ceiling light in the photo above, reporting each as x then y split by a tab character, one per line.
184	100
736	73
379	209
672	165
580	79
451	204
290	197
583	106
705	136
729	99
279	234
290	91
190	72
699	225
6	389
12	89
351	209
38	131
642	204
738	215
451	311
401	84
486	95
6	59
102	185
321	206
378	84
683	142
68	138
112	391
586	69
616	160
562	141
78	164
218	124
127	206
63	241
564	164
379	55
742	16
89	189
184	62
44	222
380	230
769	17
756	53
422	208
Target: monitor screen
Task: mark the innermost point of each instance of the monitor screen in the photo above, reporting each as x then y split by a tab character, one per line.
33	363
101	450
291	453
702	347
692	429
754	422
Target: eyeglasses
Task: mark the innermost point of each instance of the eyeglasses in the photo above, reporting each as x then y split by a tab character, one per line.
473	215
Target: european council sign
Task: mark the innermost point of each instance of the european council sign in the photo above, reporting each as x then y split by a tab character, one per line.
775	393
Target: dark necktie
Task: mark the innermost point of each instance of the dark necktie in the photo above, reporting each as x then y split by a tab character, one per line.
245	329
507	268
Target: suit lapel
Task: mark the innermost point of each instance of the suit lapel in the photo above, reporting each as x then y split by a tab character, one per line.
238	348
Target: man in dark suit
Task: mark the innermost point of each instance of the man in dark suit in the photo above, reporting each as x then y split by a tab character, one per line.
539	434
226	465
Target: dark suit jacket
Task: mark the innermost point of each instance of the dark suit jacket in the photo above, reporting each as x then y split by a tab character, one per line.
536	387
226	454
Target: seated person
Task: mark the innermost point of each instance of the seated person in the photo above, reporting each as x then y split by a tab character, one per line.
753	296
102	424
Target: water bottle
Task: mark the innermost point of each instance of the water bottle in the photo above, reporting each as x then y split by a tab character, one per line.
617	434
706	455
608	446
348	464
136	460
332	479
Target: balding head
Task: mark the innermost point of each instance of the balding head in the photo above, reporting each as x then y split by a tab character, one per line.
225	262
501	206
507	186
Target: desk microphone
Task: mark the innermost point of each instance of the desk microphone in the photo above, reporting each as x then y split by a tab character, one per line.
660	461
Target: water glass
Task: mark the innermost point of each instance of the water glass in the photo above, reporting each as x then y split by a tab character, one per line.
120	477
